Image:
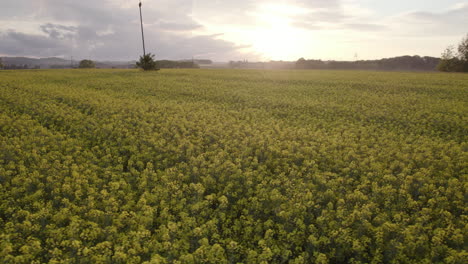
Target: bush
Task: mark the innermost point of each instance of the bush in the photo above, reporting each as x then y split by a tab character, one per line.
147	63
450	65
87	64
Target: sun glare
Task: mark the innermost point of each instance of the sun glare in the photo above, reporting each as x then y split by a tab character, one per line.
269	32
279	41
274	37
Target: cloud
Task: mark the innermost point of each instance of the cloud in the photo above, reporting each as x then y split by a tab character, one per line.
86	43
17	43
308	15
58	31
108	30
217	29
449	22
335	17
244	12
458	13
365	27
18	8
174	26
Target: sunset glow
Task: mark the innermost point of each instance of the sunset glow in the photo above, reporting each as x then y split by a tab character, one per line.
232	30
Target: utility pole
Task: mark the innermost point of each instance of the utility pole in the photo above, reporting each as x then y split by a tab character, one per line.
142	34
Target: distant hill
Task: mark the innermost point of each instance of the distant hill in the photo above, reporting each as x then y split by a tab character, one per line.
57	63
31	62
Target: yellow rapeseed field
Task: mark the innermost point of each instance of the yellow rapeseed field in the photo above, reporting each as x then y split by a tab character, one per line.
233	166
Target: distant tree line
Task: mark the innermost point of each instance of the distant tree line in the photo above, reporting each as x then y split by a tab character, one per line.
455	61
238	64
168	64
82	64
245	64
59	66
203	61
18	67
147	63
404	63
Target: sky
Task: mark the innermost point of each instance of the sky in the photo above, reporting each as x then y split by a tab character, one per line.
254	30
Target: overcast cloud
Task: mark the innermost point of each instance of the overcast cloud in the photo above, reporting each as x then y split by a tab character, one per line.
228	30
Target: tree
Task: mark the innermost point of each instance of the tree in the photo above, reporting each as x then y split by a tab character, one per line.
87	64
147	63
463	49
449	62
301	63
452	62
463	53
1	64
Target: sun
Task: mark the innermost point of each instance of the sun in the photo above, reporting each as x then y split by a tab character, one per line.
275	38
268	33
276	43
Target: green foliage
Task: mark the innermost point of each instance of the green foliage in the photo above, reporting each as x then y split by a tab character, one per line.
463	49
455	62
147	63
463	54
1	64
219	166
87	64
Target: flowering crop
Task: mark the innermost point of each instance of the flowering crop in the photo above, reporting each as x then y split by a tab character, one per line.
230	166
